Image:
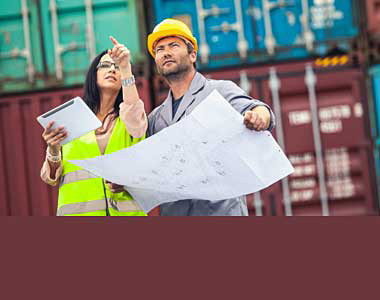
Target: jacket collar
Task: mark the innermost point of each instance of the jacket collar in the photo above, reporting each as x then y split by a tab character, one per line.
196	85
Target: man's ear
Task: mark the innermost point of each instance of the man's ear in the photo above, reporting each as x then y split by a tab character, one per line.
193	56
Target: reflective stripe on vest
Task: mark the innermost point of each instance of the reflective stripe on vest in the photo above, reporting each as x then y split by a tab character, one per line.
81	192
76	176
96	205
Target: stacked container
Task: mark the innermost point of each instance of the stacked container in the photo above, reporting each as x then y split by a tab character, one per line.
45	50
308	59
50	43
238	32
298	57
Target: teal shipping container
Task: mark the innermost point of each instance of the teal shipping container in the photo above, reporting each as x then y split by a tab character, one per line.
374	75
241	32
21	62
50	43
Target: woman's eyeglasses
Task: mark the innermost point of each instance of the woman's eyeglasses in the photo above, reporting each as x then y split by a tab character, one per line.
107	65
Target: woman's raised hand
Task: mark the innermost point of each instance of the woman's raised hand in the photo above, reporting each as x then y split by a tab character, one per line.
120	54
54	137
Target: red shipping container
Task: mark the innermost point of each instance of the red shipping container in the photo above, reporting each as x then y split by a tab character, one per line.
333	164
22	150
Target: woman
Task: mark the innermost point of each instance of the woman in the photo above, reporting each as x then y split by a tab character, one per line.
111	94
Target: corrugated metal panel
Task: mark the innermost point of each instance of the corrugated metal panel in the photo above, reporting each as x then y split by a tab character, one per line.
22	150
236	32
374	75
74	31
343	125
21	64
65	36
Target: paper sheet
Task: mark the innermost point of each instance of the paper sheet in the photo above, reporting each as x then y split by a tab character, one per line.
208	155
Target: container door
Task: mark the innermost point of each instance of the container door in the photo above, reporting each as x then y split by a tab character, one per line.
76	31
222	28
336	180
304	25
21	64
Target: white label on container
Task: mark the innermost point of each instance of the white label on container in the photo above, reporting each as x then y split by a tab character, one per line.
335	112
299	117
305	170
305	195
332	126
341	187
324	13
337	162
301	158
358	110
304	183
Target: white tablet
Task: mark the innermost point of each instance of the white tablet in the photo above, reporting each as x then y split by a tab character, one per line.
74	115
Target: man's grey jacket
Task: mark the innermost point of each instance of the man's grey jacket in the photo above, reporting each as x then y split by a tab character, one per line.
161	117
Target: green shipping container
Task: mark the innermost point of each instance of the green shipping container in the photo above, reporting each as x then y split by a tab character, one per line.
64	36
21	63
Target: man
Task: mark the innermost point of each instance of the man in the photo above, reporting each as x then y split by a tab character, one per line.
174	48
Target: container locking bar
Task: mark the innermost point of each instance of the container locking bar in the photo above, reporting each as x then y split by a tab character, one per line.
58	48
274	85
311	81
308	35
270	40
204	48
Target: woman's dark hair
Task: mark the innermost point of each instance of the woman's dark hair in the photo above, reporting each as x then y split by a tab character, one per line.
91	91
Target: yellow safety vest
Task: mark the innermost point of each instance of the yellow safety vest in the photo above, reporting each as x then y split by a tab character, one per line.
84	194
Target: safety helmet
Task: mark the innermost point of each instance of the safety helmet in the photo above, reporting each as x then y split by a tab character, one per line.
170	27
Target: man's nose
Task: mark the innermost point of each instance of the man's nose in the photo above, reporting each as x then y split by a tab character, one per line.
167	54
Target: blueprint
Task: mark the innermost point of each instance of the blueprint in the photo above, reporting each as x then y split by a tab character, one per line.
208	155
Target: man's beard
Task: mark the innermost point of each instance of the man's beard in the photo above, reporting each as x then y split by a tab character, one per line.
176	73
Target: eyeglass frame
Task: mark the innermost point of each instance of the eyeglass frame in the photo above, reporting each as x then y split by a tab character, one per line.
116	66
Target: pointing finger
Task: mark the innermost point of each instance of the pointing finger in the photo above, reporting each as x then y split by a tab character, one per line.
114	41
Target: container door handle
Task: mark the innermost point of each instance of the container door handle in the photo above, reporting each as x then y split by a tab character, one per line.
270	40
57	46
242	42
311	80
90	35
27	50
238	27
202	14
204	49
274	85
308	35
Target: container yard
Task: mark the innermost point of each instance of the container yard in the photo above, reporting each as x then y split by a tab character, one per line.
316	63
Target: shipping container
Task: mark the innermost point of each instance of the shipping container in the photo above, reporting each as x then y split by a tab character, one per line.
22	150
239	32
50	43
373	17
374	102
21	53
323	127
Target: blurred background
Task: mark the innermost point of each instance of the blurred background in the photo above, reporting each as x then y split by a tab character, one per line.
316	62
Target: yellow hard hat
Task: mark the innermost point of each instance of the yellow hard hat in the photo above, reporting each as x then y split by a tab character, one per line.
170	27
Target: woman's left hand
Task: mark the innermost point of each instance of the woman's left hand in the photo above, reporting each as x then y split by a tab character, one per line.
115	188
120	54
